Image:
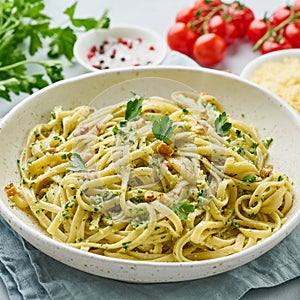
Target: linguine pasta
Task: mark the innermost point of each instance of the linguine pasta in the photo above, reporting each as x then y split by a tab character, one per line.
152	179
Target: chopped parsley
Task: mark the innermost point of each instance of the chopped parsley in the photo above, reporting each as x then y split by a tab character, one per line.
185	111
253	148
240	150
236	224
67	155
115	130
267	143
125	245
252	215
239	134
249	179
182	208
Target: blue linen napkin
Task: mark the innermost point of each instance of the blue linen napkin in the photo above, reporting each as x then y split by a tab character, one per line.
30	274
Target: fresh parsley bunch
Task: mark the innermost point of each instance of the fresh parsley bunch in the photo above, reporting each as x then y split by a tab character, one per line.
24	30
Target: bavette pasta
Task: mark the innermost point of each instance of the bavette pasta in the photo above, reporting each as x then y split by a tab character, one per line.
152	179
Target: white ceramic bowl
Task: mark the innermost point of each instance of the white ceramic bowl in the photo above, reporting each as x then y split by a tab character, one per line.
276	56
240	98
282	79
136	46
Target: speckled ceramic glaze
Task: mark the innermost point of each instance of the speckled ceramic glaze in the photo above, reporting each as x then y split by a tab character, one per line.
241	99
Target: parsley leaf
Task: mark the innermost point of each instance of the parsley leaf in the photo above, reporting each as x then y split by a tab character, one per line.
76	163
62	43
87	23
182	208
134	108
222	126
163	128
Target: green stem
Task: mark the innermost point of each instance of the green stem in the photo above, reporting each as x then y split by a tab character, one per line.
210	15
204	20
14	65
25	62
271	31
8	81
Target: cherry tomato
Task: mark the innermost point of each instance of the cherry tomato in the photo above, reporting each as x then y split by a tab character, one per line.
207	4
217	24
280	15
231	33
292	33
241	16
186	14
275	44
181	38
227	30
209	49
257	29
296	5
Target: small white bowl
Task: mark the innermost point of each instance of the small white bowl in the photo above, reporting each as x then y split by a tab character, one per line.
282	79
121	47
276	56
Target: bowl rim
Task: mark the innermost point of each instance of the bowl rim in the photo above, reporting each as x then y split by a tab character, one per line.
266	244
279	55
114	29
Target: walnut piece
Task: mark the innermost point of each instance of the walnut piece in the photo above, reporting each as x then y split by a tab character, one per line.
266	171
149	196
164	150
10	190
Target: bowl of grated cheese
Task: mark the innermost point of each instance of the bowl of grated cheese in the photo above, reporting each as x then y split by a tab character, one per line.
279	72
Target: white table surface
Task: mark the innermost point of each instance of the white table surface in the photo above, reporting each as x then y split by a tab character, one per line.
159	15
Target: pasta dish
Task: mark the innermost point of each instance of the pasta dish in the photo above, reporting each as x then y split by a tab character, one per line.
152	179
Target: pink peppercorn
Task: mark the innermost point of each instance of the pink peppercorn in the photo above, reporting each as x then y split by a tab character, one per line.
90	55
122	41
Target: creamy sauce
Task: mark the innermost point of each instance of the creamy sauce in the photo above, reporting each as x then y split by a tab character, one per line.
121	52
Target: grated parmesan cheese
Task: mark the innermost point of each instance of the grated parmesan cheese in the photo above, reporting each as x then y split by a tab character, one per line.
283	78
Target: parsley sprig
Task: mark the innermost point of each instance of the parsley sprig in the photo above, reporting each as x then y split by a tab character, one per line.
24	30
134	107
163	128
76	162
222	126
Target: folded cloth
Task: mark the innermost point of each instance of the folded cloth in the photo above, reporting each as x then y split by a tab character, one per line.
30	274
